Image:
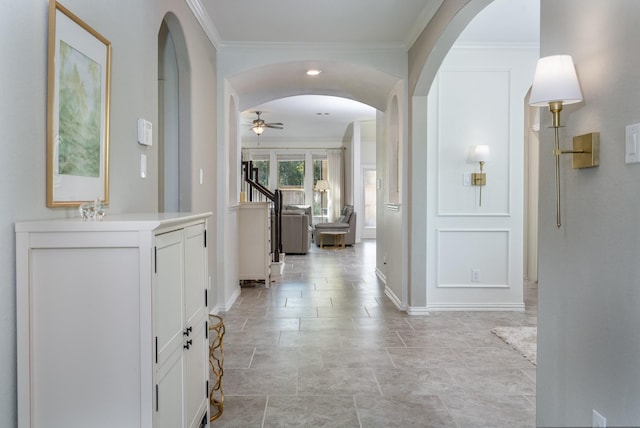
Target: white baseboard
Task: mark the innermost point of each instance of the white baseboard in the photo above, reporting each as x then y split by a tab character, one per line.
226	306
504	307
394	299
414	310
382	276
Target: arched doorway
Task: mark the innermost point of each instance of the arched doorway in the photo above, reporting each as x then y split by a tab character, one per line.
174	142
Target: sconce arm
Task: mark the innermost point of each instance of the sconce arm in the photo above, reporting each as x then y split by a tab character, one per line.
558	152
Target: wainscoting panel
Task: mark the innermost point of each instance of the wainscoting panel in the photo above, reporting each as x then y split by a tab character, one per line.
465	121
473	258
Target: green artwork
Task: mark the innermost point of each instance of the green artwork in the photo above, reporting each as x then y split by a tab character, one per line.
79	113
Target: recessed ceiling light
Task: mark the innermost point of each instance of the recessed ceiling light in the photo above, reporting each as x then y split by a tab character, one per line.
313	72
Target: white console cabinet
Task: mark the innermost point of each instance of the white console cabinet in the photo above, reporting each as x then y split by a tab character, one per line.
254	242
112	322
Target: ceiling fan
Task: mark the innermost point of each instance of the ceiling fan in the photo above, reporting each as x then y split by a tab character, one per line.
258	125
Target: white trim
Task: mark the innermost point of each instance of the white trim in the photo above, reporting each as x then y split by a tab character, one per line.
479	285
470	307
205	22
497	214
439	233
519	46
228	304
394	299
417	310
381	275
476	69
382	47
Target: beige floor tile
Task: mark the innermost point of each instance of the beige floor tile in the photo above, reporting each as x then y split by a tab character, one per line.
323	346
317	411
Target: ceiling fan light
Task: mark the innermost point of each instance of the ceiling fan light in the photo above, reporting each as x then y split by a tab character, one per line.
258	129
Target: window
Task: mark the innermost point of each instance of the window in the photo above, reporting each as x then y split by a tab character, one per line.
263	171
370	198
320	199
291	180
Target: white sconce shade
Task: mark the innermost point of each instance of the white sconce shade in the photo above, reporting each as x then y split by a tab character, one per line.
555	80
481	153
555	84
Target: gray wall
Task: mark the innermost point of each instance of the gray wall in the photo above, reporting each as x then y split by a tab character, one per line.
23	110
589	275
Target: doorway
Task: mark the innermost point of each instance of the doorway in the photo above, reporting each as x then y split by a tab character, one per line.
174	143
369	189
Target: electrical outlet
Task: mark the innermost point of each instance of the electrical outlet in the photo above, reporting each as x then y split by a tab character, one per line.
475	275
598	421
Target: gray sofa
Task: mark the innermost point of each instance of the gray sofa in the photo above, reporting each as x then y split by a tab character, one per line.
296	230
346	222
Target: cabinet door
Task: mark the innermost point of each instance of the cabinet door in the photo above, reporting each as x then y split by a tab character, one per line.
168	316
195	281
195	369
168	303
195	357
168	395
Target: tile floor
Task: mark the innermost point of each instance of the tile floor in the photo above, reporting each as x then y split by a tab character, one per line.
324	347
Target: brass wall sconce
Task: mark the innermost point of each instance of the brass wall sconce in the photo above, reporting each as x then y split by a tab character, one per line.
555	84
481	154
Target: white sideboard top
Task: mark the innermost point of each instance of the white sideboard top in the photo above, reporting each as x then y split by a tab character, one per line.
110	223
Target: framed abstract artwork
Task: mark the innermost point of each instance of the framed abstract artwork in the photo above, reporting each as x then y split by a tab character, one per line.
79	74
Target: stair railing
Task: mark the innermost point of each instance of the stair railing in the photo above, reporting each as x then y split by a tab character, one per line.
256	193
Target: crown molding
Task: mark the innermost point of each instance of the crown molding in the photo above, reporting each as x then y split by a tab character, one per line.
496	45
306	46
205	22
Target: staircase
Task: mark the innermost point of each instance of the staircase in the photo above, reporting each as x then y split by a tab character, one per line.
256	192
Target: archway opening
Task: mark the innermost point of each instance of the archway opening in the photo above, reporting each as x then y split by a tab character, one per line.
174	132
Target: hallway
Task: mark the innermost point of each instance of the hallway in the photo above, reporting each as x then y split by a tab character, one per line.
324	347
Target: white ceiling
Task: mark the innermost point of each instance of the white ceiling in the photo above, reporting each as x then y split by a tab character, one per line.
310	118
370	22
365	23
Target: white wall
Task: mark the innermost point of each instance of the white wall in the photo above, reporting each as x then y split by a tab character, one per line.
477	98
229	185
392	220
589	275
23	82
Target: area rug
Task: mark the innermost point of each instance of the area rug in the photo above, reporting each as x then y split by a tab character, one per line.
522	339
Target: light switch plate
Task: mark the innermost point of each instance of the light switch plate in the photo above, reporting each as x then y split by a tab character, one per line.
466	179
145	132
632	143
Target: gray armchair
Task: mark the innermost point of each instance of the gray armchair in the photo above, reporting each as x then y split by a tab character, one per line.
296	231
346	222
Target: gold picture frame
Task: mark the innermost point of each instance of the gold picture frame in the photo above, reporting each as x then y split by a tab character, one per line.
78	96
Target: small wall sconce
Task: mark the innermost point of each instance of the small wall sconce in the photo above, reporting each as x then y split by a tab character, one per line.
555	83
481	154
